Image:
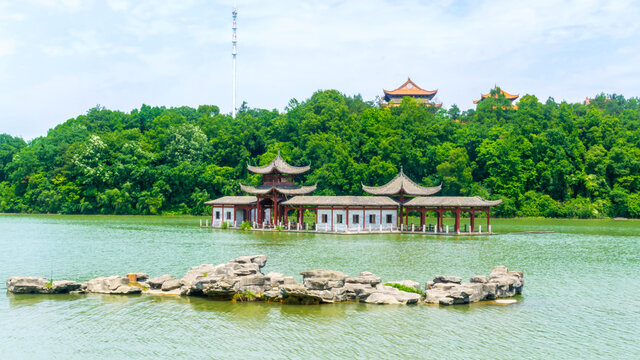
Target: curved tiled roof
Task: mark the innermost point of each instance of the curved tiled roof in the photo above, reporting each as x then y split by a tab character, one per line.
435	201
409	88
278	165
341	201
233	200
401	184
283	189
508	96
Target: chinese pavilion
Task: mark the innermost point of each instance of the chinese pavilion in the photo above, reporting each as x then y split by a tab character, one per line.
495	93
271	203
410	89
277	186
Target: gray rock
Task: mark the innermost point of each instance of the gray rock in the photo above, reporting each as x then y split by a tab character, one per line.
298	294
479	279
27	285
382	293
171	284
447	279
193	275
111	285
433	296
325	274
156	282
323	279
65	286
141	277
365	278
446	301
428	285
260	260
381	298
508	283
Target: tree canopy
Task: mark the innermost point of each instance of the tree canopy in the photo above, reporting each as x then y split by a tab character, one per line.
544	159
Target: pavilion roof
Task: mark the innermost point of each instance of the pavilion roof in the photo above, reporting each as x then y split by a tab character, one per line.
409	88
508	96
456	201
341	201
401	184
283	189
233	200
278	165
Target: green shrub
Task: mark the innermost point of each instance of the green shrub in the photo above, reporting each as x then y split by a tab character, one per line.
224	225
245	226
405	288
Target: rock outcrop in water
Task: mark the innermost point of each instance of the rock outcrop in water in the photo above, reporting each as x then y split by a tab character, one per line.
241	279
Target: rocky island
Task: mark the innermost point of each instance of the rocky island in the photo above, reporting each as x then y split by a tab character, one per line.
241	279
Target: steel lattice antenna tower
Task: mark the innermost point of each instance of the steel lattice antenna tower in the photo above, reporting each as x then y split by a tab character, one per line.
234	53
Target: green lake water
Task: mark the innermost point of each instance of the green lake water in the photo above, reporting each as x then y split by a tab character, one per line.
581	297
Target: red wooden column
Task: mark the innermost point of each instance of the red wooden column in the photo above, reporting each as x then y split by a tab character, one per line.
275	209
406	219
300	216
316	218
440	220
347	218
286	214
488	218
457	225
422	218
473	220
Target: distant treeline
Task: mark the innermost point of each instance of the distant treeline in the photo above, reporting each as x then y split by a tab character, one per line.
544	159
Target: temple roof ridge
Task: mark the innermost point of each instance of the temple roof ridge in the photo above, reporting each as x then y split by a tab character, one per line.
280	166
409	87
401	184
507	95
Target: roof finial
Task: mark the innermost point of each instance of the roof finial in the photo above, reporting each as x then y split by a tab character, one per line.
278	151
401	170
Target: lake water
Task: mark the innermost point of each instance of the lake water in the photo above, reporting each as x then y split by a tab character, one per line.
581	297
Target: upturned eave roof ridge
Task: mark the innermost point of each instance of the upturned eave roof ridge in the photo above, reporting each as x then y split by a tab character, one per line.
401	184
418	88
279	164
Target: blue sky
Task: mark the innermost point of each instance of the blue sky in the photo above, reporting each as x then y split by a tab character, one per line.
58	58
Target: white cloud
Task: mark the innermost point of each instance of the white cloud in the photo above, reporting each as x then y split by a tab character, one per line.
66	5
7	47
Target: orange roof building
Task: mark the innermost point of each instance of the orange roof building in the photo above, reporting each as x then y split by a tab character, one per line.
410	89
496	93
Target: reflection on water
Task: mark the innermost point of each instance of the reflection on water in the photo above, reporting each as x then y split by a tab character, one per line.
570	277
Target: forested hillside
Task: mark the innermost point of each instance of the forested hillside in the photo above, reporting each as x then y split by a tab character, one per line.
544	159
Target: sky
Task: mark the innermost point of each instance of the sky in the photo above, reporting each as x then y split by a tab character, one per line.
59	58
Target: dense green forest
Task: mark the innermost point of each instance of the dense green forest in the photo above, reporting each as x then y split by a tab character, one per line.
543	159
